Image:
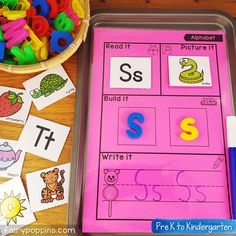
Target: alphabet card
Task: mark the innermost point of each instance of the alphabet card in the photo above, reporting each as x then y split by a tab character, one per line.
49	87
15	211
14	105
43	138
11	159
130	72
190	71
48	188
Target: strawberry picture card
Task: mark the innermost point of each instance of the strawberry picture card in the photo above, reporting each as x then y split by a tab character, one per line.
14	105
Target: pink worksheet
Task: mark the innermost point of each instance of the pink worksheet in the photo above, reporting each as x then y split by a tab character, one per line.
156	141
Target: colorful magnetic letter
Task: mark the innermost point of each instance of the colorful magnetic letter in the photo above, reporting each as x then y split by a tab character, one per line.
1	34
9	57
4	8
34	40
63	5
56	45
2	51
73	16
23	5
54	8
14	32
40	26
136	130
63	23
24	57
13	15
190	132
42	53
78	8
9	3
42	7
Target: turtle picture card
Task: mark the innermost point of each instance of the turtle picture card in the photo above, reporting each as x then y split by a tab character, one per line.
43	138
14	105
11	159
15	210
49	87
49	187
189	71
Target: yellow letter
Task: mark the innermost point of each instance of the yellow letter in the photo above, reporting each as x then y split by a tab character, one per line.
13	15
42	53
78	7
23	5
190	132
33	40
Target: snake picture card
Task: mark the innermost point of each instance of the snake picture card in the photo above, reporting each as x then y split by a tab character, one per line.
189	71
11	158
49	187
15	210
49	87
14	105
43	138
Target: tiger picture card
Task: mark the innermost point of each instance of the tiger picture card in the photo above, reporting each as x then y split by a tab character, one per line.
49	187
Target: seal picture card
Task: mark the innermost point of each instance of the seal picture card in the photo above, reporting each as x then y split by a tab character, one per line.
49	87
43	138
14	105
11	159
15	211
49	187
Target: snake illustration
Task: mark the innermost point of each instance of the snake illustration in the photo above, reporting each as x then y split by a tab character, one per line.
191	75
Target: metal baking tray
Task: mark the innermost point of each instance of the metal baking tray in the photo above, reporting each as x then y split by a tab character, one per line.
164	19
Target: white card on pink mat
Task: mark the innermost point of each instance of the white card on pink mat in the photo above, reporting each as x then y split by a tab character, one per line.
131	72
189	71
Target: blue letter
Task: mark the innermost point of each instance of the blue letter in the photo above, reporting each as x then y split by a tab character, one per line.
136	130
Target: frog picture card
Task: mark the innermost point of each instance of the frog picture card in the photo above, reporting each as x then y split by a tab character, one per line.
11	159
49	187
14	105
189	71
43	138
15	211
49	87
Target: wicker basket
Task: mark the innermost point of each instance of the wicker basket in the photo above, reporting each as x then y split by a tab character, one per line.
80	37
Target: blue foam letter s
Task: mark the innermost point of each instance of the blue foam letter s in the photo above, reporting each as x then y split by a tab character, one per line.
136	130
